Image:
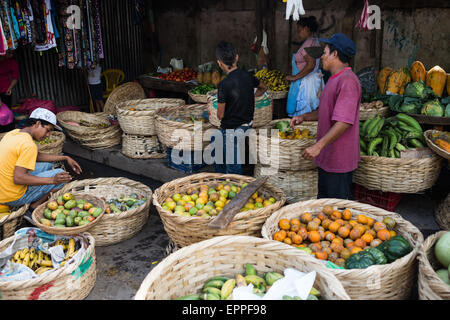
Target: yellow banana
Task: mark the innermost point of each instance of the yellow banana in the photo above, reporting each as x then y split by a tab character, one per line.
32	253
255	280
26	259
240	281
41	270
227	288
62	263
45	263
23	253
33	262
70	248
17	255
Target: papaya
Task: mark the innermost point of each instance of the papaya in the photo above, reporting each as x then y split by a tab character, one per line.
448	84
200	77
207	77
382	77
436	78
418	71
397	81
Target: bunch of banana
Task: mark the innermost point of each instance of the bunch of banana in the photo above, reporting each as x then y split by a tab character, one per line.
69	249
38	261
221	288
274	79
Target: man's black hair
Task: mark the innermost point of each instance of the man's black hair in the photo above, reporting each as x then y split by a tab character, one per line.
226	52
31	122
343	57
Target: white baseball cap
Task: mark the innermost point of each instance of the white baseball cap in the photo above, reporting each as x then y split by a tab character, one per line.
47	115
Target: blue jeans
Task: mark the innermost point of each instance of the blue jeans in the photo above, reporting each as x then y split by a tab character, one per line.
35	193
230	140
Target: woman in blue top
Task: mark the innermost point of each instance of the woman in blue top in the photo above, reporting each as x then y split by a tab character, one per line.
306	77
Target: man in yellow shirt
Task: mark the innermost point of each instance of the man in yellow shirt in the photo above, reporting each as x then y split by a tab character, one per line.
26	175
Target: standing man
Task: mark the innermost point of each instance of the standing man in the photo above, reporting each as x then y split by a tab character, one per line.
336	151
27	176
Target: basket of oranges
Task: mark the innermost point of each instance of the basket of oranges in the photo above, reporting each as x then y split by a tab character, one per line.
187	205
341	233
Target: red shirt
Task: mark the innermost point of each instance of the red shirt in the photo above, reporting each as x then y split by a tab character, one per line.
9	69
339	102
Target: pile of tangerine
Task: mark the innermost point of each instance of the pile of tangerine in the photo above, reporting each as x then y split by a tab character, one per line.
334	235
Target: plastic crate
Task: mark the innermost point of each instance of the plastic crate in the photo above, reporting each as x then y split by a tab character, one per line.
187	165
384	200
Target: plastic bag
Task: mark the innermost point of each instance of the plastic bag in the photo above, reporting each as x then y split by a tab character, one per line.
6	115
308	97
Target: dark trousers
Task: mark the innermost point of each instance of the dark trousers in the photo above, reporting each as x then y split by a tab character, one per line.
7	100
335	185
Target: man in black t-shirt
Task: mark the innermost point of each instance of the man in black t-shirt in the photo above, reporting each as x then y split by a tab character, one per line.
236	105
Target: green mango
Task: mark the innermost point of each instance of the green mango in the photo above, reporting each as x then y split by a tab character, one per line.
83	222
69	221
70	204
48	214
97	212
60	221
77	220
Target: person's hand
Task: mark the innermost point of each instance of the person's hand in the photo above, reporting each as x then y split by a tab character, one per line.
8	92
295	121
312	152
74	165
290	78
63	177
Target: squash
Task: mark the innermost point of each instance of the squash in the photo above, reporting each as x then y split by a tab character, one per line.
442	144
396	248
378	255
382	77
448	84
200	77
418	71
436	78
442	249
360	260
396	81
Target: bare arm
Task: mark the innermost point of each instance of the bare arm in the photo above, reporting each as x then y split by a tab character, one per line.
12	86
23	178
310	116
220	110
261	89
310	65
42	157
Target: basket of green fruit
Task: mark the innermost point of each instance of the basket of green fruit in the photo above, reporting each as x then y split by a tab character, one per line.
69	213
198	94
53	144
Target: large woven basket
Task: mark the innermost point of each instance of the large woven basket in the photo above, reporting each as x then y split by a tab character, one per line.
54	147
262	116
141	120
199	98
9	223
124	92
298	185
142	147
398	174
184	231
431	287
286	154
179	135
367	111
186	271
444	154
391	281
38	214
276	95
442	214
74	281
115	227
91	137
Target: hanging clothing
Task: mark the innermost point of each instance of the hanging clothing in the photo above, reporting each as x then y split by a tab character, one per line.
50	41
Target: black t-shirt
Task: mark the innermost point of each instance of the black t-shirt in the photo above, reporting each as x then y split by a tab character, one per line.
237	92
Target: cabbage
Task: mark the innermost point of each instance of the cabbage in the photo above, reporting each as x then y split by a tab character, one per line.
433	108
415	90
409	108
283	126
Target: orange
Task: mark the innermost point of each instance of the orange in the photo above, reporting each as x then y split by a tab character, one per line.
334	227
360	243
345	254
350	245
295	221
306	217
287	240
329	236
295	227
379	226
375	243
343	232
312	226
340	262
325	244
322	255
353	223
290	234
355	234
326	223
372	232
362	229
393	233
314	236
284	224
328	210
297	239
336	215
322	216
355	249
279	236
367	238
337	240
346	214
361	219
315	247
303	233
317	220
340	221
327	250
337	247
370	221
333	256
383	234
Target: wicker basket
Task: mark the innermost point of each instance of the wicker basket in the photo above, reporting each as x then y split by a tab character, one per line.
117	227
397	174
89	137
442	214
124	92
365	114
38	213
430	286
142	147
391	281
262	116
184	231
9	223
186	271
171	134
287	152
54	147
297	185
444	154
199	98
141	120
74	281
276	95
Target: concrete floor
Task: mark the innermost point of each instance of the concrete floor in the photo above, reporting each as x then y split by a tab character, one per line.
121	268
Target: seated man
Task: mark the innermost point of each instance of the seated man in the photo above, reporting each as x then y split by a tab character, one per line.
26	176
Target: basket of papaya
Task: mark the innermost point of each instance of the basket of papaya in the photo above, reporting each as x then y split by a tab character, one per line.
281	146
10	219
394	156
226	267
439	142
434	261
127	207
187	205
370	250
69	213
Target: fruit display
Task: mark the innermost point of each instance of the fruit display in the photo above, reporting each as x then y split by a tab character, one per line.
209	201
190	120
221	287
442	253
286	132
344	239
388	137
441	139
203	89
47	140
67	212
184	75
40	261
123	203
273	79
